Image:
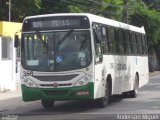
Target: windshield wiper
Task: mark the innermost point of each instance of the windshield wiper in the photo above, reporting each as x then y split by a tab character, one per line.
65	36
83	43
40	37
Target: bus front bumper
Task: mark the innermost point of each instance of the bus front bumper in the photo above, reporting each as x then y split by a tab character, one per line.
73	93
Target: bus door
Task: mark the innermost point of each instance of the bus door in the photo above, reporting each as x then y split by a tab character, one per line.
98	58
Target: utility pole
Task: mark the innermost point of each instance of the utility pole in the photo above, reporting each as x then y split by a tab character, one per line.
126	11
9	10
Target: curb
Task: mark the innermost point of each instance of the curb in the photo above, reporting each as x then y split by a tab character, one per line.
154	73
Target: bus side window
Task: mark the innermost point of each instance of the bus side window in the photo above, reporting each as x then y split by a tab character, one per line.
139	43
133	43
111	40
105	39
126	43
144	45
119	41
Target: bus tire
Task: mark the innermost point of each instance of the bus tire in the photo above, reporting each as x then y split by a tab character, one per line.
134	93
103	102
48	104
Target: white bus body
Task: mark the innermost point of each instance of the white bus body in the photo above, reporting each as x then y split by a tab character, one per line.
118	60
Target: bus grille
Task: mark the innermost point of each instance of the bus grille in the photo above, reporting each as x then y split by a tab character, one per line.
55	92
51	85
56	78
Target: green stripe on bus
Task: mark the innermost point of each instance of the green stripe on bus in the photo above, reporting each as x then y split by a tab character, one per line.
71	93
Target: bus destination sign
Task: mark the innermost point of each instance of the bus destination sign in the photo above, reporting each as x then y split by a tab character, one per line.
56	23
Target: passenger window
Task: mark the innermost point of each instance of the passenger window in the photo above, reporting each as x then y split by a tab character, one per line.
111	40
119	41
126	42
144	48
139	43
133	43
105	39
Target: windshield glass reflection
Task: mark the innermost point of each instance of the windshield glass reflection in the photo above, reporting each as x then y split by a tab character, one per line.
56	51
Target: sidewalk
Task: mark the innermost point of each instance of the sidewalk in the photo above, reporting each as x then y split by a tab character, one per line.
14	94
17	93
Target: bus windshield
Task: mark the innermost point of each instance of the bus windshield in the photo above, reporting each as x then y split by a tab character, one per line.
56	50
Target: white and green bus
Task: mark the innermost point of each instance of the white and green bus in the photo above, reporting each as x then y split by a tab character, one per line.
80	56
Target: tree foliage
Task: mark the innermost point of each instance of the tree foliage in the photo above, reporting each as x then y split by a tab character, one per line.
53	6
149	18
153	4
19	9
4	10
22	8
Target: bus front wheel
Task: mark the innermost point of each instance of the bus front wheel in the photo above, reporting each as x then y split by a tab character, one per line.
103	102
47	104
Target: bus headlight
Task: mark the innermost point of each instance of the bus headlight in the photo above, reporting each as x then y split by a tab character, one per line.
29	83
85	80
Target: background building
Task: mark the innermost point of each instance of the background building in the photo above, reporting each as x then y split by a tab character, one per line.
8	65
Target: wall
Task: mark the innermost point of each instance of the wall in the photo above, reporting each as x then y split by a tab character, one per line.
8	66
153	59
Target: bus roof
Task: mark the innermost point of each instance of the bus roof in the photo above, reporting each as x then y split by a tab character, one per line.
98	19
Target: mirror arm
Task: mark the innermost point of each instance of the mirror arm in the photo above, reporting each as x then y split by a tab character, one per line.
16	41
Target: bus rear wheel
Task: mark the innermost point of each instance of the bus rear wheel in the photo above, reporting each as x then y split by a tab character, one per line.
48	104
134	93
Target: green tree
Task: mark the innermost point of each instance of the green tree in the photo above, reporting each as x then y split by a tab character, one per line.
19	9
144	15
107	8
4	10
24	8
153	4
149	18
89	6
53	6
113	9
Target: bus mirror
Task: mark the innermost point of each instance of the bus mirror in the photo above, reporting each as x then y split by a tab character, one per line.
97	59
98	35
16	41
